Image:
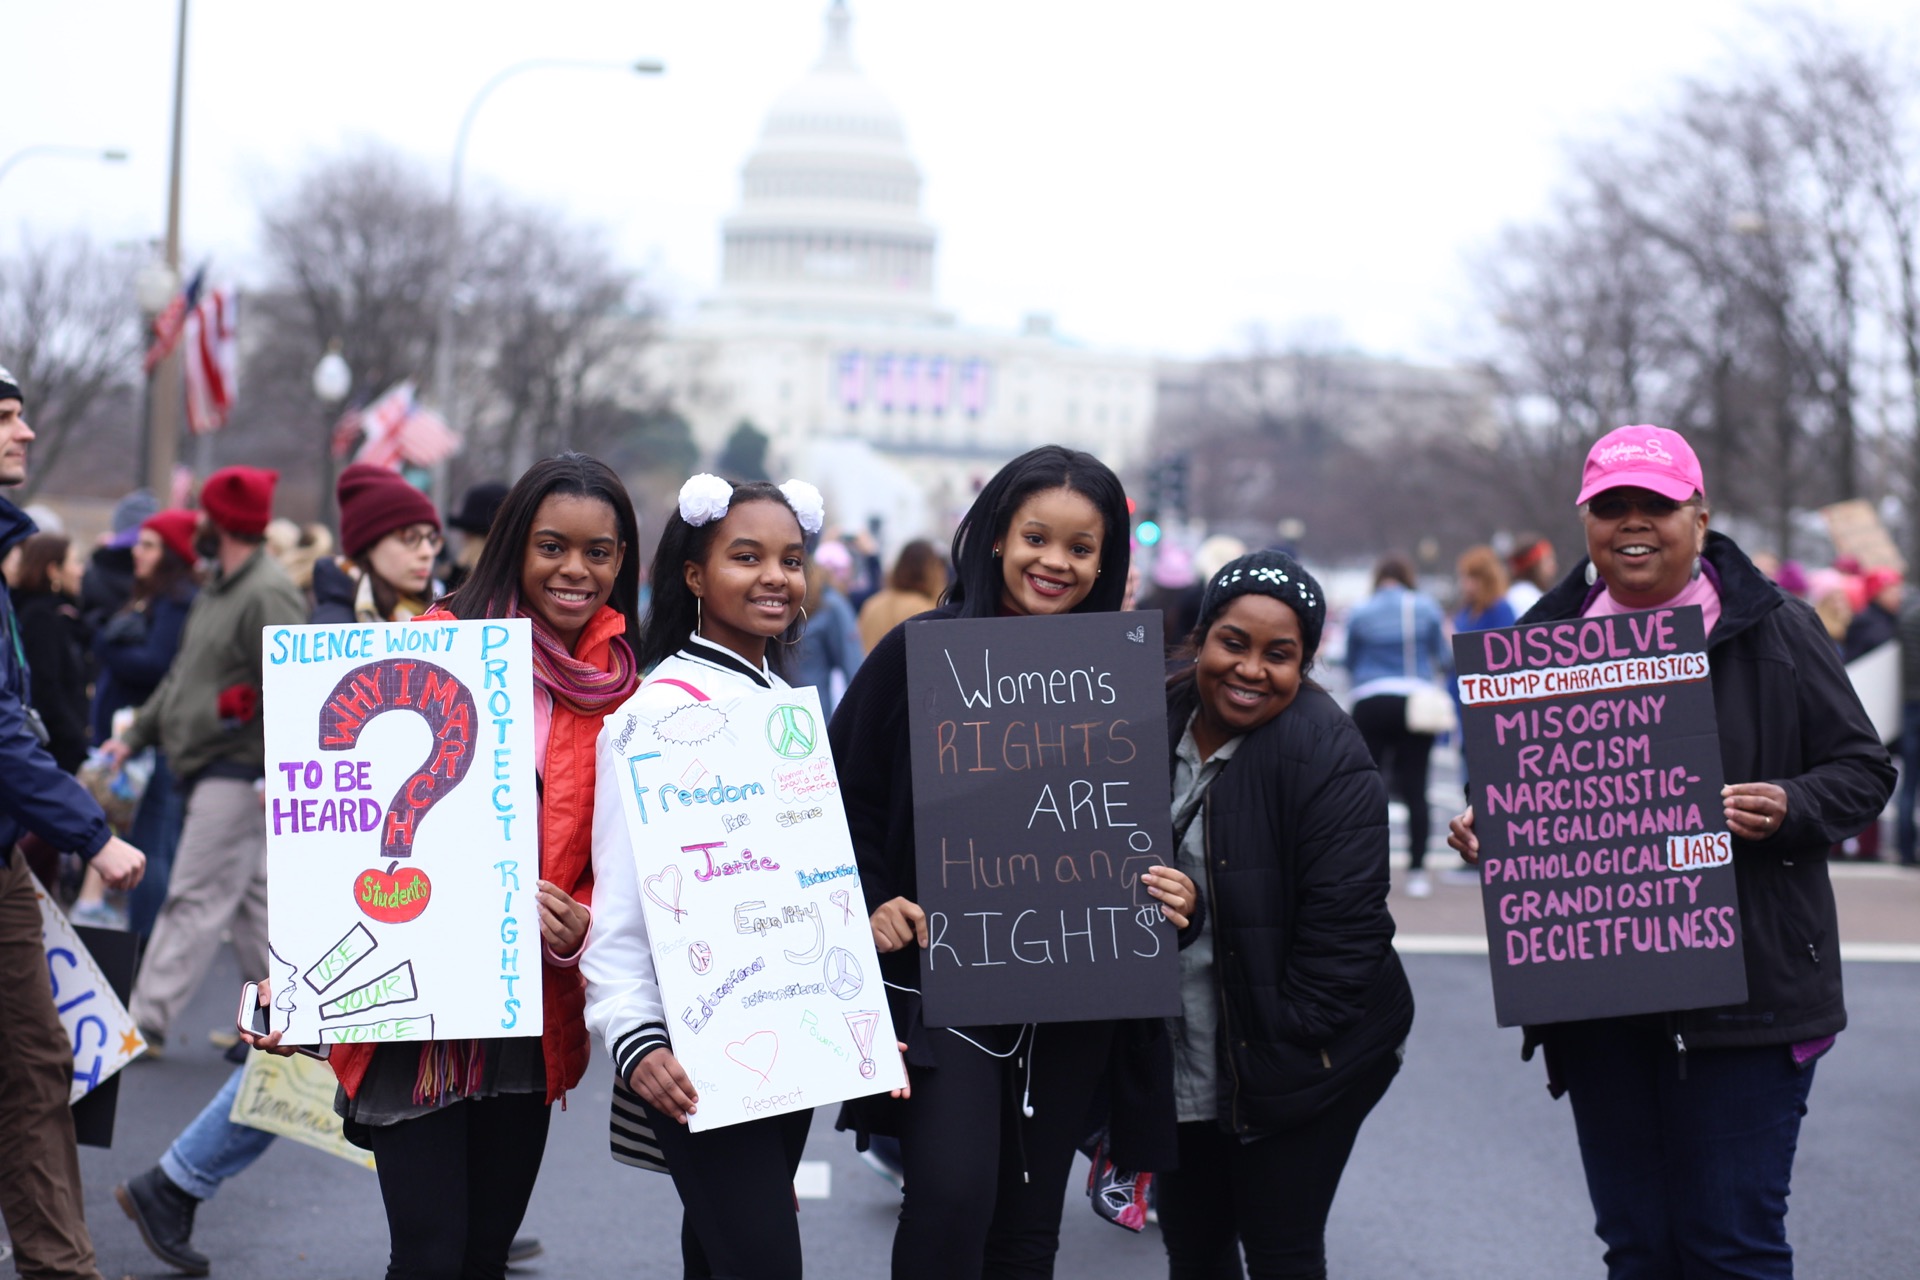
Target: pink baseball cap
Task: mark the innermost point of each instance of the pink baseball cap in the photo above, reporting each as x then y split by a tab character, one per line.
1642	457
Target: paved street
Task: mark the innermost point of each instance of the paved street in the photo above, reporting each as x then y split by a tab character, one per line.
1467	1169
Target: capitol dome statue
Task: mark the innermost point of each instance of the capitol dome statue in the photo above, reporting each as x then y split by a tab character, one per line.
829	219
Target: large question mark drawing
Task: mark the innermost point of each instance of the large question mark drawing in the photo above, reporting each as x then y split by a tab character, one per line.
436	696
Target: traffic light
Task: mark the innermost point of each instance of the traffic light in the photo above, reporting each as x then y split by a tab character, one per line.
1148	532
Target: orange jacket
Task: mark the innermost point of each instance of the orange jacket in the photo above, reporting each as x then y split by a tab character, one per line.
566	858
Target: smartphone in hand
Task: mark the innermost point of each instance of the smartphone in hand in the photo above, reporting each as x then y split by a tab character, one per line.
257	1018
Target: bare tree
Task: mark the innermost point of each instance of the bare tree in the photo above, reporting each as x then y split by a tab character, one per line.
71	336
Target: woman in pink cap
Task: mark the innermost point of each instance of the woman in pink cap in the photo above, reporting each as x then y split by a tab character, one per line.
1688	1121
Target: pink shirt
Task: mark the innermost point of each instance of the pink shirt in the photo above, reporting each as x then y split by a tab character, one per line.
1700	591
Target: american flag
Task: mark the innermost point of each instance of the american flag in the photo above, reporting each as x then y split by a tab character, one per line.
213	360
169	323
394	429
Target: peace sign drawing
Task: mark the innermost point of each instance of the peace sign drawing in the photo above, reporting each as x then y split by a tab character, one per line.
791	732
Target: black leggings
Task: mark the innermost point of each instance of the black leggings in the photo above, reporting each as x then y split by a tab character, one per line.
985	1181
1270	1196
738	1218
1402	758
456	1183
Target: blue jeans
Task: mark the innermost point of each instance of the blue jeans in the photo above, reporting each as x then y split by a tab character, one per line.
1904	834
213	1148
155	832
1688	1174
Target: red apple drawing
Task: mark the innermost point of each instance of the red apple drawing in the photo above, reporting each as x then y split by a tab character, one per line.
392	898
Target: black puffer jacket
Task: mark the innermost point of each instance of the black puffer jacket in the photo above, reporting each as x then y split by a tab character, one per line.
1312	994
1789	716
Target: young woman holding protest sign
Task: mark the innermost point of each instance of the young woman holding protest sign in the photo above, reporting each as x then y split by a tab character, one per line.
1295	1007
459	1128
729	582
989	1134
1688	1121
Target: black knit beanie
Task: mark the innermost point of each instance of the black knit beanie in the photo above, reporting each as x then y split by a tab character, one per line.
1276	574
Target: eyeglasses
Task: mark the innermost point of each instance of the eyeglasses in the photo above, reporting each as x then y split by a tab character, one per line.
412	538
1615	506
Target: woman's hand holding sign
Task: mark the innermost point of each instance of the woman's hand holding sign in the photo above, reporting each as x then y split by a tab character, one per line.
1755	810
1175	891
1460	836
896	923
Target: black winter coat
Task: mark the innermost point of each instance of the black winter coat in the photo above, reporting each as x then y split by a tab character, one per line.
1312	995
55	640
1788	715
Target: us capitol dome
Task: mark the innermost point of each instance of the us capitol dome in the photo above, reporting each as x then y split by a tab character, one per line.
827	334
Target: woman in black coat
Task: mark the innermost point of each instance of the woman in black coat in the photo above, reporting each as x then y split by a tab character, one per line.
55	642
1689	1120
1296	1009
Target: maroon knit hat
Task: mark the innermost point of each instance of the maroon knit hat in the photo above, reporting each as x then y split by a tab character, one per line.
374	502
240	499
174	528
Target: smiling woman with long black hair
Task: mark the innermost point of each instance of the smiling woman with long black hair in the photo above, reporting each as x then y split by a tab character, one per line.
1295	1009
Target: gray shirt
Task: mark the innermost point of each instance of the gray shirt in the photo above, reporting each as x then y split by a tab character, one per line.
1196	1064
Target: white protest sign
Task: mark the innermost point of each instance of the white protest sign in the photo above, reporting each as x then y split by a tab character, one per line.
403	850
760	937
103	1033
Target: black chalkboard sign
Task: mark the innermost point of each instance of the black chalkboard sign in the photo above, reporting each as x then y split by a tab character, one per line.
1040	793
1606	868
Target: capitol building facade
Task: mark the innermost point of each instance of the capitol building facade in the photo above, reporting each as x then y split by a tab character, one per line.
827	334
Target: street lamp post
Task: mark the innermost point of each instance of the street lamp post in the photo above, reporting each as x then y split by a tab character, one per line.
332	379
450	259
153	288
166	392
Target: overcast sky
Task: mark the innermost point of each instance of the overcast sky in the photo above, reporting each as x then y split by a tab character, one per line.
1157	176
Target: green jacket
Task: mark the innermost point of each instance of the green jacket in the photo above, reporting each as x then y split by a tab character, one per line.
220	648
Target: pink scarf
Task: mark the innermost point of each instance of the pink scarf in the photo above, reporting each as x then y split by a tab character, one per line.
579	686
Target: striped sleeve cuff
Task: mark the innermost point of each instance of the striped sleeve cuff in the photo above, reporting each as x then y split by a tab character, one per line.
637	1044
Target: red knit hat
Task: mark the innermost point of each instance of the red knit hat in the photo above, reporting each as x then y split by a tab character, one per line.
374	502
175	528
240	499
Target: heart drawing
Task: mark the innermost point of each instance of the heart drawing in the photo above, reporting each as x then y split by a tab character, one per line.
756	1053
664	889
1138	635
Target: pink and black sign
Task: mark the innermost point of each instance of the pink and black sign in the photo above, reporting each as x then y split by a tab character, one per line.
1606	867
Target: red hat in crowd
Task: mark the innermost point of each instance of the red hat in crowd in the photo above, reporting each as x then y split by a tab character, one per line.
374	502
175	529
240	499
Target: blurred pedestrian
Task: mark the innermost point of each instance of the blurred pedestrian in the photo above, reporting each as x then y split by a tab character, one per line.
1294	1006
1535	568
1396	645
829	650
133	651
919	576
1483	592
41	1197
108	583
1688	1121
47	606
471	524
390	532
1877	622
296	549
205	715
1906	837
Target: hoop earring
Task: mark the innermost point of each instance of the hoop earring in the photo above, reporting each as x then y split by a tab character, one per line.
1593	573
697	617
803	629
